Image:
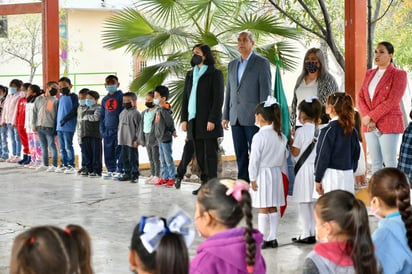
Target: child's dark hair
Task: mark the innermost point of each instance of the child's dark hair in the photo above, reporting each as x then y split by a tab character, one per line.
131	95
36	92
17	83
358	125
212	197
111	77
271	114
351	216
163	91
171	256
26	85
66	80
84	91
392	187
4	89
49	249
207	52
94	94
150	93
312	109
343	106
51	83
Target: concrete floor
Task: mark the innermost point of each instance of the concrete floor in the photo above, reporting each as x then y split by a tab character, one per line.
109	210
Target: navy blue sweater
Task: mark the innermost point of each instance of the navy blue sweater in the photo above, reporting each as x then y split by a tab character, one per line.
112	105
335	150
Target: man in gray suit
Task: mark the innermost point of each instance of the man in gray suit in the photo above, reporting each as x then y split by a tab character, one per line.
249	83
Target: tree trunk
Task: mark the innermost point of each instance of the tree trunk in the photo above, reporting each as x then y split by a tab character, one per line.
371	30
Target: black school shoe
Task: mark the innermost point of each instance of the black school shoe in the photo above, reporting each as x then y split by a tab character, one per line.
178	183
270	244
308	240
134	179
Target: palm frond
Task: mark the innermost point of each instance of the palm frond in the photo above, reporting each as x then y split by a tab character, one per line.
286	52
167	12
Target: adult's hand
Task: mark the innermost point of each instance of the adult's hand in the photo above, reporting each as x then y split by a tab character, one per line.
184	126
225	124
366	120
371	126
210	126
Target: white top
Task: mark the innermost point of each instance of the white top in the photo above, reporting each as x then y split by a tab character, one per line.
374	82
29	117
303	138
305	91
267	150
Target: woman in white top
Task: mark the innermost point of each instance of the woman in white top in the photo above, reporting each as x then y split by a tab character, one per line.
379	103
268	155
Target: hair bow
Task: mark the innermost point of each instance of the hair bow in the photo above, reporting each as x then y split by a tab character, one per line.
236	190
270	101
310	99
153	229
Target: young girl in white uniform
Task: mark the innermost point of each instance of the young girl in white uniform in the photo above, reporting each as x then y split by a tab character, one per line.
310	110
268	155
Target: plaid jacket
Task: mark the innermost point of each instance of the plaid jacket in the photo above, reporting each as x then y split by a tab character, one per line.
405	155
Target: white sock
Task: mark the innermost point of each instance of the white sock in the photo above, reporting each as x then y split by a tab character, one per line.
263	222
305	215
274	222
312	226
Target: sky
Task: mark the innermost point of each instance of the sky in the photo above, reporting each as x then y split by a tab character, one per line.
82	4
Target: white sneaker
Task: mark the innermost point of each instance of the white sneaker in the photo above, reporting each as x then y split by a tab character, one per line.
116	175
148	180
51	169
70	170
41	168
60	169
109	175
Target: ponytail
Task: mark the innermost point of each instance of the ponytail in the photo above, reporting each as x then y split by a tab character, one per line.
360	241
248	236
172	255
343	106
392	187
403	201
80	249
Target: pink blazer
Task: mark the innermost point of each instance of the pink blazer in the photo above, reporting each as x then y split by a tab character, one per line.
384	108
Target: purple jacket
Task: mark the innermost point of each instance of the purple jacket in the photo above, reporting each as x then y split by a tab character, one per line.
225	253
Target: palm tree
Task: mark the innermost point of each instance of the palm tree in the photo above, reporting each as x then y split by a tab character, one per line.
166	31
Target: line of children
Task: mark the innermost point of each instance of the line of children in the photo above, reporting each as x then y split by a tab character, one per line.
310	111
268	155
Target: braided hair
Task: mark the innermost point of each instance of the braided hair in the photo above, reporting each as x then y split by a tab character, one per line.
392	187
230	211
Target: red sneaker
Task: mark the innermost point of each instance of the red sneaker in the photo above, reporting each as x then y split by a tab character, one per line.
160	182
170	183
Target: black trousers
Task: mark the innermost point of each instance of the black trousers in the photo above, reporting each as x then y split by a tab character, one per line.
206	155
130	161
187	155
92	154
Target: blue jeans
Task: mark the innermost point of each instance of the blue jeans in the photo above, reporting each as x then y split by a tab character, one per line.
66	147
242	140
166	160
47	139
4	150
382	149
15	140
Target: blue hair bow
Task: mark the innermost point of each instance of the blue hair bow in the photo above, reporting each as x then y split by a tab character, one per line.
152	229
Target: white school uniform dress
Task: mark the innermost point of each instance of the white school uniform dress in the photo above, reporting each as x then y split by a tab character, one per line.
268	154
305	178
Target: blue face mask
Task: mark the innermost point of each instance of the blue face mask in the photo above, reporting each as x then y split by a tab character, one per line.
89	102
13	90
111	88
156	102
82	102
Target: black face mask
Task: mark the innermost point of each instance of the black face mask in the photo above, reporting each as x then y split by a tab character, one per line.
127	105
196	60
311	67
149	104
65	91
53	92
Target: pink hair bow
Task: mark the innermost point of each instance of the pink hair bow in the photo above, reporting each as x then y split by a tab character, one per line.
236	191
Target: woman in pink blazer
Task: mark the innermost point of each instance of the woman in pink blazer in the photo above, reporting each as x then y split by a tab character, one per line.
379	104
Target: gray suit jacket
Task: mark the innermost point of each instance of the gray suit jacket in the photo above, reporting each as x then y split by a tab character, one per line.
254	87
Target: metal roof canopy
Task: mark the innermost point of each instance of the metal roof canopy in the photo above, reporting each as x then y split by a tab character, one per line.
50	24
